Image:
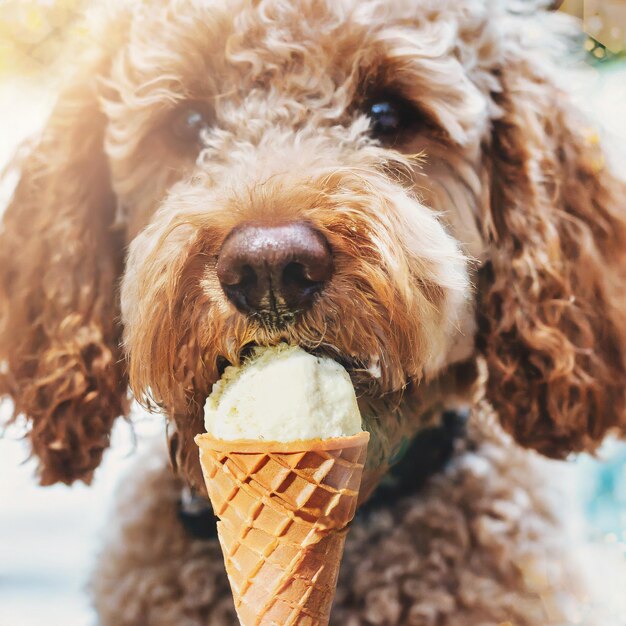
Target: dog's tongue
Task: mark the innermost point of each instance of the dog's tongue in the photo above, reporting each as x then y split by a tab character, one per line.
283	394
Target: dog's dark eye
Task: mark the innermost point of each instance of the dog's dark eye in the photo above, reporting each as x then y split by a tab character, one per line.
188	122
390	116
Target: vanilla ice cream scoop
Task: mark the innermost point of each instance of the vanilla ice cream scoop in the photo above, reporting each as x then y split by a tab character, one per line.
283	394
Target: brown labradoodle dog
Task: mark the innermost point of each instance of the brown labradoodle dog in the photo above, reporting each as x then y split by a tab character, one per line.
398	184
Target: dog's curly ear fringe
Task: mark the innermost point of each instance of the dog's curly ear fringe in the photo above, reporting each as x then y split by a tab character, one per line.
59	261
552	315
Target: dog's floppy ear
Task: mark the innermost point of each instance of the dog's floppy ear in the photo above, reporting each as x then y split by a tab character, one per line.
552	313
59	261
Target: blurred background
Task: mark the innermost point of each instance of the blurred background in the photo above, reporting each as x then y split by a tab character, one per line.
49	537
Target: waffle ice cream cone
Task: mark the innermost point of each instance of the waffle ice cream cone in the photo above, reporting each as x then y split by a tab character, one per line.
284	509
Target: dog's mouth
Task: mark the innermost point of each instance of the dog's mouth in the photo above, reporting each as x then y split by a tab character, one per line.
365	373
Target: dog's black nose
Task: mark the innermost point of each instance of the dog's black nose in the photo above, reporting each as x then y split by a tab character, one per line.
274	270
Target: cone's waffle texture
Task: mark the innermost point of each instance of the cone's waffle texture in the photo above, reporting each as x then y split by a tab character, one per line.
283	510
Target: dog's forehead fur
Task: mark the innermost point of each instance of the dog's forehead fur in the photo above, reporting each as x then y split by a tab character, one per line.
265	66
313	58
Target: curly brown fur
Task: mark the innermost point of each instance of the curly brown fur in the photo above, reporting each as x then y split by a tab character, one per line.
151	571
552	304
59	262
